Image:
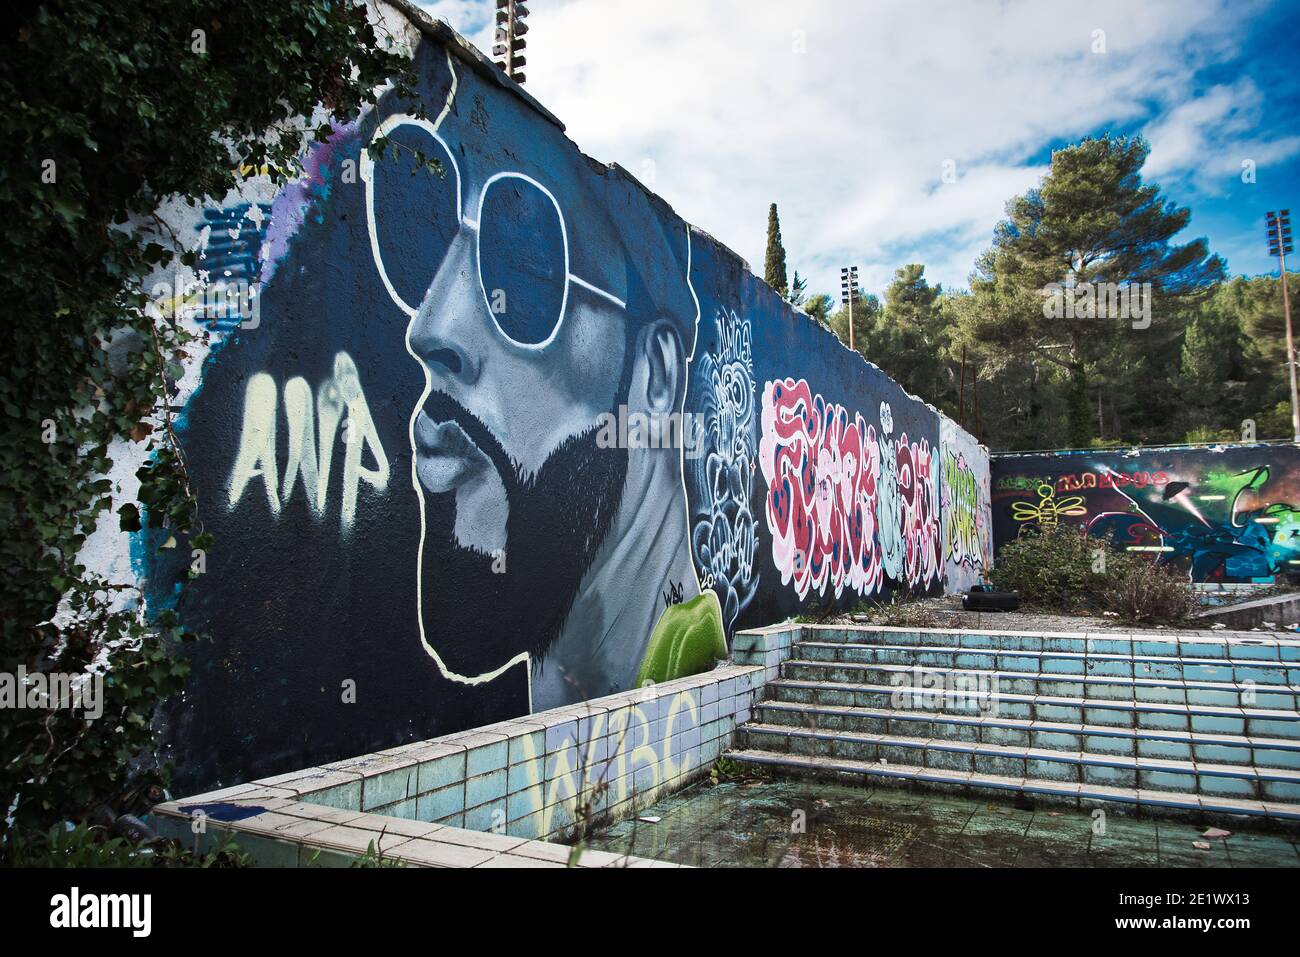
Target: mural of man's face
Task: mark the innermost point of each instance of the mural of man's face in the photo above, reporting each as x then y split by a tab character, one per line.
504	441
521	357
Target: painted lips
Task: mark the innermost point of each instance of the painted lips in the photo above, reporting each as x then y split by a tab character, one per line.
445	457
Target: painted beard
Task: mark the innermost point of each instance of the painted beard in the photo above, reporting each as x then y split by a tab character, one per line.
476	618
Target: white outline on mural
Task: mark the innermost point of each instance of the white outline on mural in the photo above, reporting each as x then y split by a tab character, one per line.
690	360
367	176
522	658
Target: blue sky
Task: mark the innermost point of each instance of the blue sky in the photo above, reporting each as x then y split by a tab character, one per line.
846	113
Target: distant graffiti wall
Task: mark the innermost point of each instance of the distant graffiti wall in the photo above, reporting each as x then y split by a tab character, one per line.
1219	513
503	436
965	490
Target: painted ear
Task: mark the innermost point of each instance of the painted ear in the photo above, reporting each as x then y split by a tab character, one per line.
666	366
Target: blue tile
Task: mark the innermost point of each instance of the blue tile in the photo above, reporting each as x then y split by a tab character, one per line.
1278	758
485	787
436	805
1167	781
560	736
1107	667
442	771
487	817
1063	666
1110	777
518	751
389	787
1285	791
487	758
1167	750
1109	744
1272	728
521	804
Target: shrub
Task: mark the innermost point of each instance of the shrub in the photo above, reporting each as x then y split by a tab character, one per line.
1061	569
1053	569
116	109
87	845
1150	594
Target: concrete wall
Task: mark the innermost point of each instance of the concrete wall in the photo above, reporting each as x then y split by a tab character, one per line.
1222	513
473	799
481	444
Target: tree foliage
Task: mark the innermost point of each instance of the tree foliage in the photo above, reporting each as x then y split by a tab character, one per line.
112	109
1091	221
774	263
909	338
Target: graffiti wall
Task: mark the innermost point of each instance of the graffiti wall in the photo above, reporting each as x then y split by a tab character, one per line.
965	484
484	428
1221	513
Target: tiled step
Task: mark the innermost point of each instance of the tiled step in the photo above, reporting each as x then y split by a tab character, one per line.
1204	723
1053	735
1086	795
1052	662
1225	645
1087	686
1111	712
1110	770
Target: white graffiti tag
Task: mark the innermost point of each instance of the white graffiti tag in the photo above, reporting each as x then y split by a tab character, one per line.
312	423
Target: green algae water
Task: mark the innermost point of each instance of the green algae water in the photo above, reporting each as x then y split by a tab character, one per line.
799	823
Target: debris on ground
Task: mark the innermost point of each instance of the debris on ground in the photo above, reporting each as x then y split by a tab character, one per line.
1216	832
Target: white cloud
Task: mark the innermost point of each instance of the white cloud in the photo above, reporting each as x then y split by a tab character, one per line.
849	137
1205	140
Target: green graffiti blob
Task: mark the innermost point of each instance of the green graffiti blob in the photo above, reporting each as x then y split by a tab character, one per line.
687	640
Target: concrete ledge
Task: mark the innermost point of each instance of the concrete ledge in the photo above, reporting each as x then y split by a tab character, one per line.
500	795
1283	609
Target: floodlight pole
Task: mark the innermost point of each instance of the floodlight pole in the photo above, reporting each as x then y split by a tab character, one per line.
1290	350
851	298
1279	244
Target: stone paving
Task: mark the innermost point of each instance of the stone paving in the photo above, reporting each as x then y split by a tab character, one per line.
750	825
949	614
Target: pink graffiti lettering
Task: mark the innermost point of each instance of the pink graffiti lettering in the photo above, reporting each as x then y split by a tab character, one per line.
821	469
919	490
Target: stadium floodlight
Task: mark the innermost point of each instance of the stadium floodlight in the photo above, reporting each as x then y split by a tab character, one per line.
849	293
508	41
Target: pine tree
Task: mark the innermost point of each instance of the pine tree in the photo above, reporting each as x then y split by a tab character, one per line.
910	340
1092	220
774	264
818	306
798	290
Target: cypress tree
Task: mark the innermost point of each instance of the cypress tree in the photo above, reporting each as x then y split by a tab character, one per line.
774	265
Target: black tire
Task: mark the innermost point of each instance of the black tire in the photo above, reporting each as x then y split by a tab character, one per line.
990	601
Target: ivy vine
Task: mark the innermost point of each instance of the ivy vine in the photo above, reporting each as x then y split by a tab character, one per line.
112	109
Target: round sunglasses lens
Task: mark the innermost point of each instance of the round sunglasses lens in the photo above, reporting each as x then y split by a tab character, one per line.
521	259
414	209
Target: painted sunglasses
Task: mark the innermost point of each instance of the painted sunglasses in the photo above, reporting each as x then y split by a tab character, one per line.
521	239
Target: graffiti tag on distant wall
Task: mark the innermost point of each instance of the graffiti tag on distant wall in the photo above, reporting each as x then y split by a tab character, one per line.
965	522
1222	514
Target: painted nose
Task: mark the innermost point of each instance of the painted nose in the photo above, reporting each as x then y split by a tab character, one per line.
445	333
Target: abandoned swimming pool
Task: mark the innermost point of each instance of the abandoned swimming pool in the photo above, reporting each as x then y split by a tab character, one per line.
806	823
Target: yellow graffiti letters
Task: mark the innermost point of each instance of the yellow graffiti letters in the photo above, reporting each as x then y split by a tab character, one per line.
312	422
